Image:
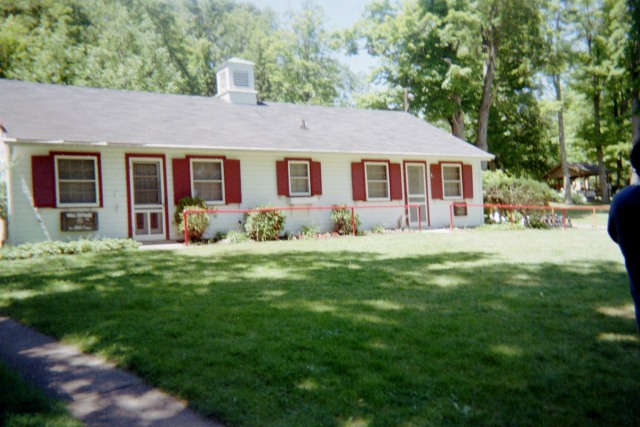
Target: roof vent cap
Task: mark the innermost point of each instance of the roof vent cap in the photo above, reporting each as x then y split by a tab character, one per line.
236	82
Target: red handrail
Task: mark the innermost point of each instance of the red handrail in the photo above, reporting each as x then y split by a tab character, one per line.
532	207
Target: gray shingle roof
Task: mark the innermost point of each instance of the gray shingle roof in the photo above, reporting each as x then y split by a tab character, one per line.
41	112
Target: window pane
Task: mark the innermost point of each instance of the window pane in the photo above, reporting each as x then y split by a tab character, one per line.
147	197
377	172
377	189
207	170
146	184
76	169
77	192
415	180
143	183
145	169
299	185
155	222
208	191
299	170
451	173
452	189
141	223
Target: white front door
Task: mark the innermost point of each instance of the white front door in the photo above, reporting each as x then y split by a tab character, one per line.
147	198
416	192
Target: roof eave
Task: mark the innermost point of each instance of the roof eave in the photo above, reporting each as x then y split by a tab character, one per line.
138	144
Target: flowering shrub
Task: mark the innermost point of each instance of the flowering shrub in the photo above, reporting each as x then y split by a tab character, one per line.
342	220
265	223
197	222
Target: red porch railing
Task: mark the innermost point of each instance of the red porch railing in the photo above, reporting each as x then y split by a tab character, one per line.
298	208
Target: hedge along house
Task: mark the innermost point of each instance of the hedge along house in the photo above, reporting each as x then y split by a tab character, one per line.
87	162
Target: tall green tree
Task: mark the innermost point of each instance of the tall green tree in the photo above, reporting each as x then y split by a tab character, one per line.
41	40
602	27
556	65
124	50
457	57
427	47
510	35
306	70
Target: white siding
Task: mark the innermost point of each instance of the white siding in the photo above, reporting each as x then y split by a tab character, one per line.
441	209
259	187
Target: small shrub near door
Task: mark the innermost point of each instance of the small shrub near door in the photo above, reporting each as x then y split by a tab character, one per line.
197	222
265	223
342	220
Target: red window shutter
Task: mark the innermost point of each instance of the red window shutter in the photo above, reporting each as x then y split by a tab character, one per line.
232	184
316	178
181	179
357	181
436	182
44	181
282	176
467	181
395	181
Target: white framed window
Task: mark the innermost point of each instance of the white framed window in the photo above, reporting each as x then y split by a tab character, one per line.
207	180
452	181
299	178
77	181
377	179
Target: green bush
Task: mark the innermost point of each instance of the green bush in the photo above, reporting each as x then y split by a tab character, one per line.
42	249
198	222
378	229
264	223
500	188
342	220
309	231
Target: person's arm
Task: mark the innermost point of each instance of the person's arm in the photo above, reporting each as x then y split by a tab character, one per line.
611	227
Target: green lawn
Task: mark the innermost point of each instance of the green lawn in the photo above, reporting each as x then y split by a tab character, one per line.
476	327
583	216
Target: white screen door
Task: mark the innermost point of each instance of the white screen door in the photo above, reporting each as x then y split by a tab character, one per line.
416	192
147	195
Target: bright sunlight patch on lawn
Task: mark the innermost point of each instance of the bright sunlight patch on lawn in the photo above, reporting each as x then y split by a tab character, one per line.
475	327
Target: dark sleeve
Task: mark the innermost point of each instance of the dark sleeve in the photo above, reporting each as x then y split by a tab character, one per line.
611	227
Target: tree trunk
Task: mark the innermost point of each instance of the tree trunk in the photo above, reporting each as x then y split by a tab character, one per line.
457	119
485	102
618	183
635	123
602	173
566	178
635	116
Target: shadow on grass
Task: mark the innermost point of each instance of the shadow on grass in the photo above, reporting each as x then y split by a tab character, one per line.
343	338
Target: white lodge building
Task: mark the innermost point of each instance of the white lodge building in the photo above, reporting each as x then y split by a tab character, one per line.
85	162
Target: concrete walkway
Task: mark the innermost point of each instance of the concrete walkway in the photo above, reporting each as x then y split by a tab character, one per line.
96	392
